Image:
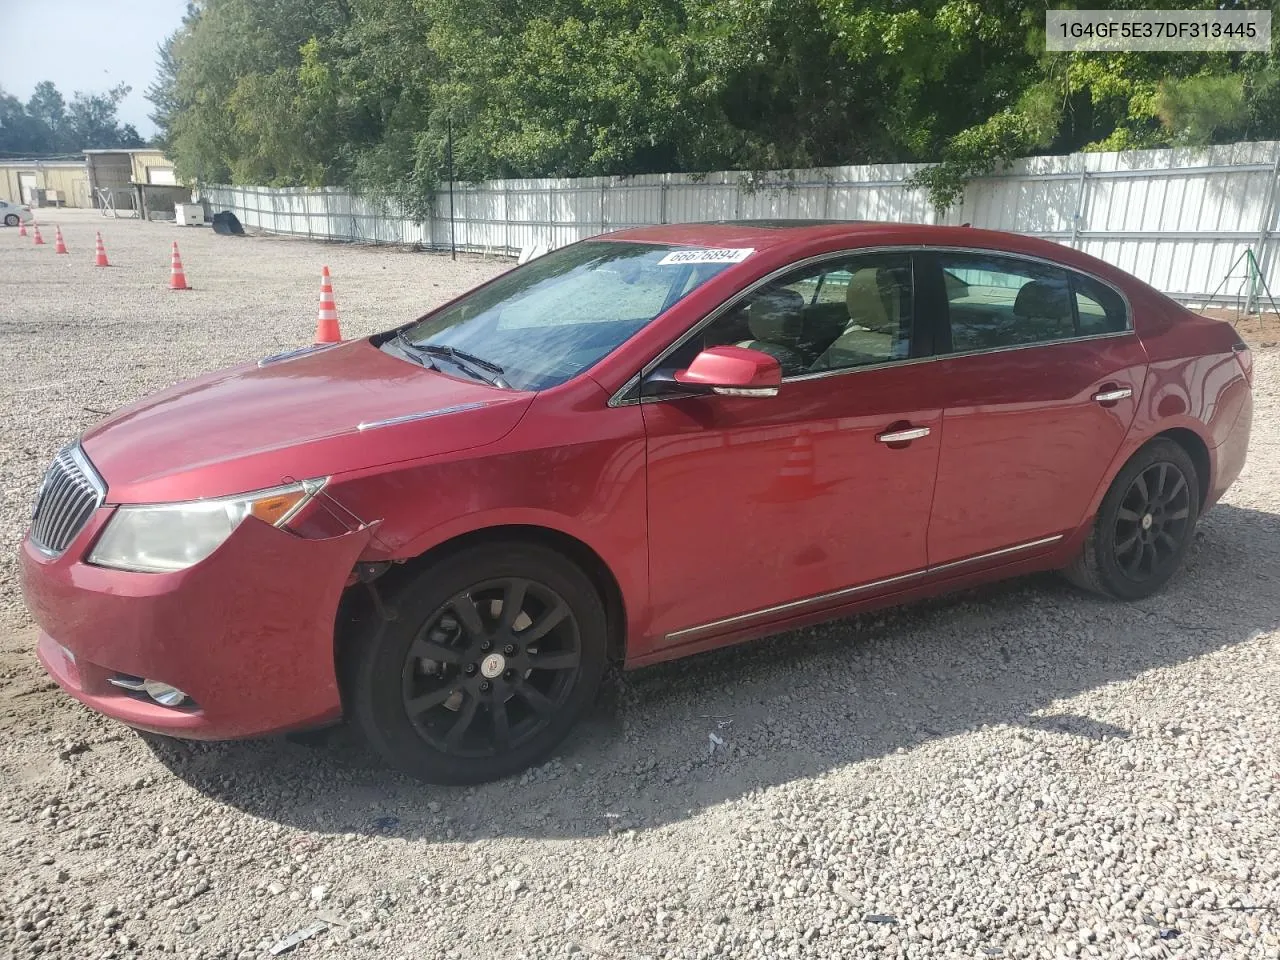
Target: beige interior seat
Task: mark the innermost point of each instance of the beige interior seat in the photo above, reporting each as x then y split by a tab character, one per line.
875	321
872	300
776	321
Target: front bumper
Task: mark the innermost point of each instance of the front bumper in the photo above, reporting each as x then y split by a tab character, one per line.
247	633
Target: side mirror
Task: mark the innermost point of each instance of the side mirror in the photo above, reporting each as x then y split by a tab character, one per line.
733	372
727	371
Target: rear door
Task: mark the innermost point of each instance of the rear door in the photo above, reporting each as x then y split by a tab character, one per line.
1042	374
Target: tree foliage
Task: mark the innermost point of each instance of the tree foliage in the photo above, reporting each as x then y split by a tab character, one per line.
46	124
366	92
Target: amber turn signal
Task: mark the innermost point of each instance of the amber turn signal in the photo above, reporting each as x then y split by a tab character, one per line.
276	507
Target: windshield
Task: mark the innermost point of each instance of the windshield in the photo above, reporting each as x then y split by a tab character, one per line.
547	321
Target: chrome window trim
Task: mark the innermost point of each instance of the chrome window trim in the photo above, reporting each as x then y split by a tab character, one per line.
617	400
861	588
962	353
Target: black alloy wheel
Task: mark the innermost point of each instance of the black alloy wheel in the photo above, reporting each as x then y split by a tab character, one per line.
491	667
1152	520
490	655
1144	525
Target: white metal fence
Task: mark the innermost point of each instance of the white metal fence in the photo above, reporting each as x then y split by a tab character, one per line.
1180	219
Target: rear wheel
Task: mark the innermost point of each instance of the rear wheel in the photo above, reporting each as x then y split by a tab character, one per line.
493	654
1144	525
11	220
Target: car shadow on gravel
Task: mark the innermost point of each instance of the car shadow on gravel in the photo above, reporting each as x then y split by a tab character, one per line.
667	742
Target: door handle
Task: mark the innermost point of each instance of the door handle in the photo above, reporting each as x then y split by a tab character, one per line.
1111	396
903	436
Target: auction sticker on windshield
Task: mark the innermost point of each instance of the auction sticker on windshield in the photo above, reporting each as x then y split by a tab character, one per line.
724	255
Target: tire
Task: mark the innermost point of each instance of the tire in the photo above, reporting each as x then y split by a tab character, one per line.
11	220
1144	526
416	678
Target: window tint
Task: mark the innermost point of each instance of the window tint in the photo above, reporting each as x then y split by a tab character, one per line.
1099	308
832	287
999	302
842	313
996	301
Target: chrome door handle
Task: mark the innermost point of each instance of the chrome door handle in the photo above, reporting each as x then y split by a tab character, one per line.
1111	396
902	436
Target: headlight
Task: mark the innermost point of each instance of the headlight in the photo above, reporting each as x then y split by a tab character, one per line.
164	537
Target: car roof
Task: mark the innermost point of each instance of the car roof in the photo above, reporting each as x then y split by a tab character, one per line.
767	233
770	233
730	233
764	234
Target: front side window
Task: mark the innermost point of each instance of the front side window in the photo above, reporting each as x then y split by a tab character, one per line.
996	301
847	312
547	321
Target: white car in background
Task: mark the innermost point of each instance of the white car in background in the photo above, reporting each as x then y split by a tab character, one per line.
11	214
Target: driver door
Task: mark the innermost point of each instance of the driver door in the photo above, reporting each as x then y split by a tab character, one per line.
764	508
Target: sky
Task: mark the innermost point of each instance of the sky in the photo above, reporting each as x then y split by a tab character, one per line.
88	45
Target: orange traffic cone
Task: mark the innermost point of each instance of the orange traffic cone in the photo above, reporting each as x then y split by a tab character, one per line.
100	252
36	239
327	317
22	228
59	245
177	278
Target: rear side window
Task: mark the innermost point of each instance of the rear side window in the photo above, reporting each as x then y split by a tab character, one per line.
996	301
1100	309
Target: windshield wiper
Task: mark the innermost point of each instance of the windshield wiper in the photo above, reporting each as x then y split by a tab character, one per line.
414	352
467	361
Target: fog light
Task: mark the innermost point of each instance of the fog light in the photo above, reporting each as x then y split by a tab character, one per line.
161	693
164	694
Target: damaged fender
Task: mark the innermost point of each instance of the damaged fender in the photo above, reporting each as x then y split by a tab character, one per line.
247	633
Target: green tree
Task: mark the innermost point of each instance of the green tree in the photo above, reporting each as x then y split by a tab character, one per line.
1109	101
20	133
365	92
91	122
48	110
47	124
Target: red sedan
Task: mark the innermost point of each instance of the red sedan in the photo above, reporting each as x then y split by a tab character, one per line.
634	448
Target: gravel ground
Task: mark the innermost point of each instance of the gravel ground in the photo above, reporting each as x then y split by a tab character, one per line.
1018	771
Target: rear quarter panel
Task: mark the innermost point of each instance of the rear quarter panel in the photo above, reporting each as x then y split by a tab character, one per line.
1194	382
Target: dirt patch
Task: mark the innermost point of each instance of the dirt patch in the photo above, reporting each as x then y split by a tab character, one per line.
1256	329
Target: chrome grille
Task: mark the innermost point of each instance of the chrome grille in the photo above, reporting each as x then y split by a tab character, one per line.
68	495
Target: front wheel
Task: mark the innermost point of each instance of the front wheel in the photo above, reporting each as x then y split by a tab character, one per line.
1144	525
11	220
492	655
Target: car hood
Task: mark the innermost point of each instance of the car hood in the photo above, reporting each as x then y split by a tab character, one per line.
315	414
